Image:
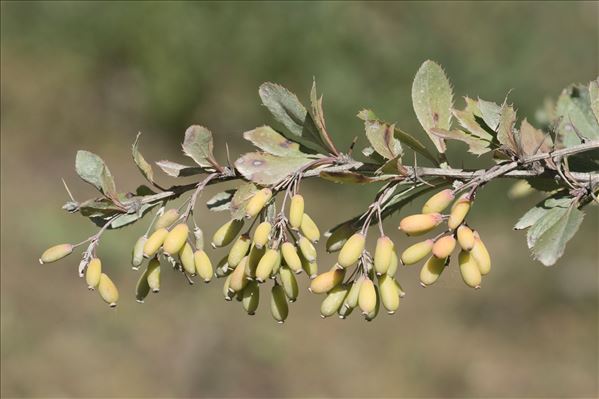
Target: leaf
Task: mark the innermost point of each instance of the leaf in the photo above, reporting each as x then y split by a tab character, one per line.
284	106
92	169
317	115
177	170
490	113
347	177
432	100
221	201
505	129
532	140
129	218
268	140
240	199
536	212
381	137
476	145
198	145
552	231
267	169
574	109
144	167
469	119
594	97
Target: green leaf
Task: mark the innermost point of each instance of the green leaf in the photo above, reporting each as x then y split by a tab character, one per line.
268	140
560	200
476	145
198	145
505	130
490	113
240	199
575	114
594	97
221	201
267	169
552	231
144	167
432	100
347	177
92	169
284	106
469	119
129	218
177	170
381	137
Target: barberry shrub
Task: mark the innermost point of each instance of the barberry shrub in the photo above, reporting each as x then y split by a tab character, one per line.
272	237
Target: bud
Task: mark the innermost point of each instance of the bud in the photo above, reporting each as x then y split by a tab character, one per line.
416	225
203	265
291	258
289	283
142	289
226	233
278	304
327	281
175	239
469	269
186	257
261	234
465	237
352	250
393	264
459	210
257	202
311	268
55	253
239	250
251	297
443	247
339	237
367	298
310	229
431	271
481	255
166	219
382	254
253	259
415	253
137	256
153	273
238	280
307	249
351	300
333	301
226	292
266	264
389	293
93	273
154	242
198	234
370	316
296	211
108	291
438	202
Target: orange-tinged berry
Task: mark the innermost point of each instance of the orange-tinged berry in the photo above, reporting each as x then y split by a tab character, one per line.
459	210
418	224
465	237
327	280
444	246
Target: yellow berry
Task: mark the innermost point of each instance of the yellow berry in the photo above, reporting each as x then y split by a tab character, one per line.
138	252
266	264
108	291
333	301
289	283
368	297
393	264
278	304
253	259
251	297
262	234
415	253
459	210
55	253
166	219
187	259
431	270
175	239
438	202
327	280
371	315
291	257
465	237
389	293
93	273
311	268
310	229
153	274
339	237
154	242
419	224
481	255
227	293
203	265
226	233
307	249
352	250
238	279
257	202
443	247
239	250
142	289
382	254
351	300
469	269
296	211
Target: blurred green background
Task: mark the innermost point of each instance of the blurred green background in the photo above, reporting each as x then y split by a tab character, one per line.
90	75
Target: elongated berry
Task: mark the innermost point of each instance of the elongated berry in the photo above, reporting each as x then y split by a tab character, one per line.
153	275
469	269
55	253
198	234
296	211
327	280
251	297
310	229
344	311
257	202
226	233
238	280
459	210
93	273
277	265
239	250
389	293
352	250
339	237
465	237
278	304
291	257
166	219
137	256
351	300
266	264
367	298
203	265
142	289
262	234
382	255
175	239
289	283
480	253
371	316
415	253
307	249
311	268
253	259
108	291
415	225
227	293
333	301
154	242
186	257
393	264
431	270
438	202
444	246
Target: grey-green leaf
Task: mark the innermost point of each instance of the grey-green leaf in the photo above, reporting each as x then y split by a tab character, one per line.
92	169
242	195
490	113
267	169
382	138
594	97
198	145
559	200
175	169
284	106
144	167
576	116
221	201
476	145
268	140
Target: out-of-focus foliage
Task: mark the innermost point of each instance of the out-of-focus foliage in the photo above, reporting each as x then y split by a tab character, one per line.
90	75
